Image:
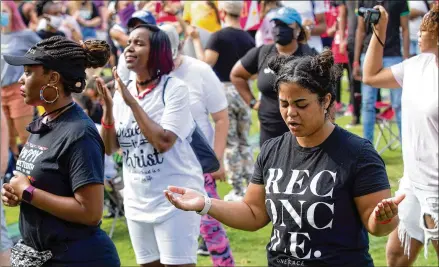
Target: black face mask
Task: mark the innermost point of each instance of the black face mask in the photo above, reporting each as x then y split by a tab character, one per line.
39	127
283	34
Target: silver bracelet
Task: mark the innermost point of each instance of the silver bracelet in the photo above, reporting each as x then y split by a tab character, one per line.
207	205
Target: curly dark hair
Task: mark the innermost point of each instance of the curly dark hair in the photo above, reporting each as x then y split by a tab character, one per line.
318	73
431	22
91	54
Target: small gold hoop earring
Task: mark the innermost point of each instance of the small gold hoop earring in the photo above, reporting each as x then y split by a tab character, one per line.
42	92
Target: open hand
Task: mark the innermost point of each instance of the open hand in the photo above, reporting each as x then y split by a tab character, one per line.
127	97
8	196
186	199
220	174
387	208
104	93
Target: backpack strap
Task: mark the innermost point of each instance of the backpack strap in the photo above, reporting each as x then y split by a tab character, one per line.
164	88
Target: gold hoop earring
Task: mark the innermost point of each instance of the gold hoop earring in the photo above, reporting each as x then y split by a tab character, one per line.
42	92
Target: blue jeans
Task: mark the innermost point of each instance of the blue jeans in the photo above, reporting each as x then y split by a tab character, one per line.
369	98
414	48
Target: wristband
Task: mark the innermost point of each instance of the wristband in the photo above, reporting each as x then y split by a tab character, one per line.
207	205
386	221
107	126
252	103
356	64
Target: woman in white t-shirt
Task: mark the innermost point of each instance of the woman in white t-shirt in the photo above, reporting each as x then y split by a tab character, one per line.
207	97
152	126
418	77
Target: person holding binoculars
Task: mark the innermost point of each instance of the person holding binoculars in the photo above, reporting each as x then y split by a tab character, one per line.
418	77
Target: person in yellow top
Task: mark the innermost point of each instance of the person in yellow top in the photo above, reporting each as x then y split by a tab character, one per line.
202	14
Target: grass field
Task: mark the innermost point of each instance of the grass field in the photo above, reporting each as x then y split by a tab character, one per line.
249	247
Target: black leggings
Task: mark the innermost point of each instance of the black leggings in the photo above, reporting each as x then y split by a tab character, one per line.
354	86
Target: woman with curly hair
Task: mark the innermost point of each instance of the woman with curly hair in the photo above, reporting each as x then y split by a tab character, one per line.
322	188
60	171
418	77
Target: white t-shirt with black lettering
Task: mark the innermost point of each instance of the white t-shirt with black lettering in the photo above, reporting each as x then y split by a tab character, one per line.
147	172
309	196
418	77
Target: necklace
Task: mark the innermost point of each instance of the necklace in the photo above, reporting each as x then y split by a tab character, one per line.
148	90
59	111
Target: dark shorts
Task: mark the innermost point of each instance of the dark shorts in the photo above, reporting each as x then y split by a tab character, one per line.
96	251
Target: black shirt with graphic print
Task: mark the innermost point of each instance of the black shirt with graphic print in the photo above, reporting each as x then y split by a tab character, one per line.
395	10
310	198
256	62
69	156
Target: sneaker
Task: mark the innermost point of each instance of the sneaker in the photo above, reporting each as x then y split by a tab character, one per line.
233	196
202	248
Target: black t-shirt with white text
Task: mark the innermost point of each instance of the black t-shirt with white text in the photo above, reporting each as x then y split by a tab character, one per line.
61	161
310	198
256	62
395	10
231	44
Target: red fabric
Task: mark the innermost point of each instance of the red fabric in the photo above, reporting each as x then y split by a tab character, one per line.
338	57
330	16
245	13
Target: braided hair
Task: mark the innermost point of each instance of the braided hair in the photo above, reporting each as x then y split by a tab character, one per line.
318	73
90	54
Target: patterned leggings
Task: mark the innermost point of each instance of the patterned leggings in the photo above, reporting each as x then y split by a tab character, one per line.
213	233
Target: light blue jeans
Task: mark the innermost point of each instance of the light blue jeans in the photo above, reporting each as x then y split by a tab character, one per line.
369	98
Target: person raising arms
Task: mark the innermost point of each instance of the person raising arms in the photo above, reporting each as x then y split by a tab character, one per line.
323	188
418	77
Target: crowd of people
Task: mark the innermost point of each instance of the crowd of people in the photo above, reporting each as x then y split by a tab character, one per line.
85	82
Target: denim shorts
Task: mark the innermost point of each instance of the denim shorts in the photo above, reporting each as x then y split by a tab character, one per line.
411	211
5	242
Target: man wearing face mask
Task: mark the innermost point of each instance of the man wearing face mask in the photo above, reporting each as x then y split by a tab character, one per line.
290	39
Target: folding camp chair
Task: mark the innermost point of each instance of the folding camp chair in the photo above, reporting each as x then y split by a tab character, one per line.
112	194
385	120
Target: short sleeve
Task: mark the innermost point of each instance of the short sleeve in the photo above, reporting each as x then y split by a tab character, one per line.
177	116
258	172
86	162
214	42
398	72
405	11
250	61
214	92
370	174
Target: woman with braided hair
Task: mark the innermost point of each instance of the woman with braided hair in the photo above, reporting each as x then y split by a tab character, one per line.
322	188
60	171
418	78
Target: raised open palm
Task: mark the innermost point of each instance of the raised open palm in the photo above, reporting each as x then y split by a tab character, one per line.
185	198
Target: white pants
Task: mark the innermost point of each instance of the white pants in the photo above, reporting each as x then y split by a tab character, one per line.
411	211
173	242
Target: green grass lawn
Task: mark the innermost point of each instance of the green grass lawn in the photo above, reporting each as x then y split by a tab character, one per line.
249	247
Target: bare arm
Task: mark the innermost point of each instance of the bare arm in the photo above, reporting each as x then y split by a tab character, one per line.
160	139
198	47
85	207
210	57
94	22
366	205
250	214
239	76
360	34
404	20
120	37
221	121
342	16
4	144
373	72
109	135
415	13
320	28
